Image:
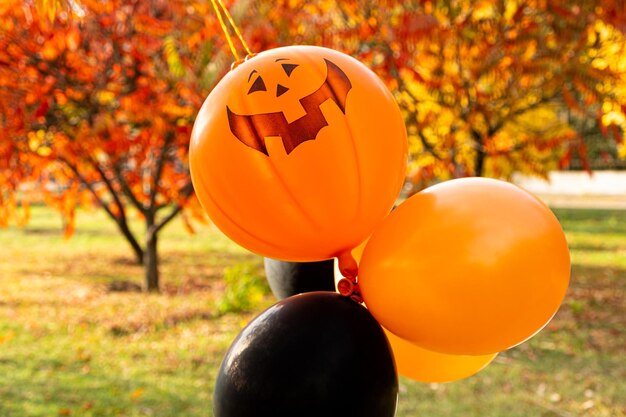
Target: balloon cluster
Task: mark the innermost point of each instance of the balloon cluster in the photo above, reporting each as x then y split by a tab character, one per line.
299	154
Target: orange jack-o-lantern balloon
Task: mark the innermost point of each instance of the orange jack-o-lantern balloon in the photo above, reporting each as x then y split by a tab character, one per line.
298	153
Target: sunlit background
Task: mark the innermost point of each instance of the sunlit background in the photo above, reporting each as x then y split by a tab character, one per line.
119	298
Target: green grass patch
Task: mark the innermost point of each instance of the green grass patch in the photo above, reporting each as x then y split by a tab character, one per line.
69	346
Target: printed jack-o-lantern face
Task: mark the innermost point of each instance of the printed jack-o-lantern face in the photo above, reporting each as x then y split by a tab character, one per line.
254	128
298	153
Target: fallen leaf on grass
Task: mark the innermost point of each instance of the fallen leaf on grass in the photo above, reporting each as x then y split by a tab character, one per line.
6	337
588	404
555	397
136	394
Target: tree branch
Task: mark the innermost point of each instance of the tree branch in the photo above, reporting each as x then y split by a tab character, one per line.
186	191
493	129
126	189
90	187
120	221
427	145
158	171
110	187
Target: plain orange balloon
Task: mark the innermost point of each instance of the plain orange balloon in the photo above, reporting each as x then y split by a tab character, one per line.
470	266
298	153
424	365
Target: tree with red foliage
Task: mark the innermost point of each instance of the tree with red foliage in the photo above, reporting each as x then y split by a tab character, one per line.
103	105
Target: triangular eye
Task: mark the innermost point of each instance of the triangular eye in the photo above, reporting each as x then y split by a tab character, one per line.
289	68
258	85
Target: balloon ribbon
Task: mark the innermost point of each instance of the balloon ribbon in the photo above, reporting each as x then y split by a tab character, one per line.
231	45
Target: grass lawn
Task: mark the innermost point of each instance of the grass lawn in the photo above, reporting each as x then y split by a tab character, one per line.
69	346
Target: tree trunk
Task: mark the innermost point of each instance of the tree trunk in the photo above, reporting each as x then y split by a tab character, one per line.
151	256
480	163
151	265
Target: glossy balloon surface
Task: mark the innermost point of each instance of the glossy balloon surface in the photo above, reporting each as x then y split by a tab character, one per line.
291	278
298	153
310	355
470	266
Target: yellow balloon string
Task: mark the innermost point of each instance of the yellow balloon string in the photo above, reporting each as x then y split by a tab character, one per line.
235	28
225	30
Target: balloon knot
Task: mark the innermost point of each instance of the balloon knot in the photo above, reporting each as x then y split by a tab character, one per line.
349	288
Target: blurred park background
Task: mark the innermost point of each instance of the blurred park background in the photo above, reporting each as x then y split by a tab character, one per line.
119	298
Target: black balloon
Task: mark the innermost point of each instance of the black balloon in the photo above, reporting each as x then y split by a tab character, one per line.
311	355
291	278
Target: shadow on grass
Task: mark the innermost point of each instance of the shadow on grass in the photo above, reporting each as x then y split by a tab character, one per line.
592	221
598	277
57	231
126	261
40	231
215	257
599	247
580	214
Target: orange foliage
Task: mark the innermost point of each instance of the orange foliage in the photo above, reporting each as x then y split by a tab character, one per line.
473	78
